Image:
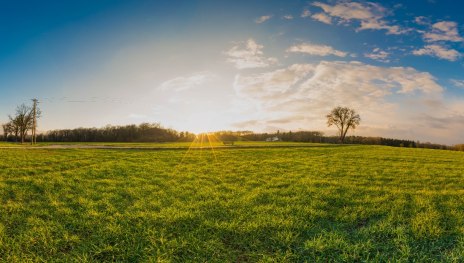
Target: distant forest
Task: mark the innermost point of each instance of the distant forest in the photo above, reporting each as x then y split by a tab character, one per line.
318	137
145	132
154	132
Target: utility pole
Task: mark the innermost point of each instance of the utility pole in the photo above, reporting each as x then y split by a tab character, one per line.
34	121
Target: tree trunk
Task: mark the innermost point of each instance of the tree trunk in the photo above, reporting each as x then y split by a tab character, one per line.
344	134
341	134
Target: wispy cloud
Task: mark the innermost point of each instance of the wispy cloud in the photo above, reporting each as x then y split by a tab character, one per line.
263	19
438	51
287	17
187	82
379	55
459	83
422	20
343	76
443	31
271	83
321	17
306	13
249	54
370	15
317	50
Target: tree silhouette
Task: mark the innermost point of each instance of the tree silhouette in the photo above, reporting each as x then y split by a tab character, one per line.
7	130
22	121
344	118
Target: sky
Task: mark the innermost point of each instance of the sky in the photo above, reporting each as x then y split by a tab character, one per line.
260	65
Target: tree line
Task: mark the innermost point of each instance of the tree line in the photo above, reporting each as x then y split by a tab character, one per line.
154	132
313	137
319	137
145	132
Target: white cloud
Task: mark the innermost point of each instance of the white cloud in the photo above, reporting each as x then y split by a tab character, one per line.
262	19
438	51
321	17
249	54
457	83
379	55
352	10
318	50
187	82
272	83
370	15
379	25
443	31
335	82
306	13
422	20
288	17
393	101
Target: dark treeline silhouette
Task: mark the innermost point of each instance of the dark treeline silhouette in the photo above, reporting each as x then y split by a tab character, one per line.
145	132
318	137
380	141
300	136
311	136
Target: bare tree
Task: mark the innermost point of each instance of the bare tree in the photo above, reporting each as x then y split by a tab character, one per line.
7	129
344	118
22	121
13	127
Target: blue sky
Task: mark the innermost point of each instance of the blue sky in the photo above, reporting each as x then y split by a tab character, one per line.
249	65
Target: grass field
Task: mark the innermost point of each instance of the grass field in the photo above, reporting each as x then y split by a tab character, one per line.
321	203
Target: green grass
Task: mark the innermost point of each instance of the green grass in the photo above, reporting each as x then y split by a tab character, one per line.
324	203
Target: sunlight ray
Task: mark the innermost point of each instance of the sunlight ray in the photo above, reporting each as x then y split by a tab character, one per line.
211	145
175	169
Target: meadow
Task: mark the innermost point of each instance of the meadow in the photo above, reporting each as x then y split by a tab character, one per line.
320	203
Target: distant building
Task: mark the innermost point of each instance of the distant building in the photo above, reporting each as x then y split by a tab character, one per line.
273	139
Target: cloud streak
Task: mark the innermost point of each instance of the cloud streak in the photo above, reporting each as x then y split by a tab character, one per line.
249	54
369	15
438	51
316	50
321	17
287	17
187	82
458	83
262	19
443	31
379	55
306	13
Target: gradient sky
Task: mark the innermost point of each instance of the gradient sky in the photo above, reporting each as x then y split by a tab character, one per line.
239	65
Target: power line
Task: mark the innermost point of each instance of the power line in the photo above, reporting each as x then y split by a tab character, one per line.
94	99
